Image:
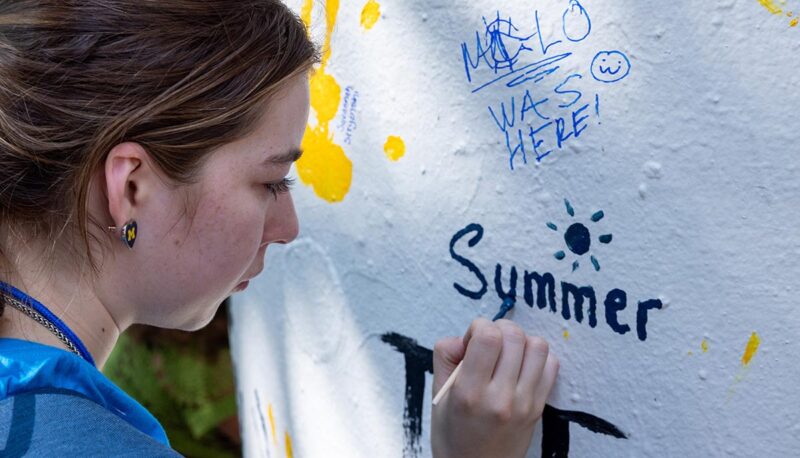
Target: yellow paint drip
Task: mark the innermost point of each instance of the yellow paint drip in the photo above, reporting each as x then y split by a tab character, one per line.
751	349
331	11
566	334
328	169
289	453
305	13
325	96
394	148
771	6
704	345
272	424
324	165
370	14
793	22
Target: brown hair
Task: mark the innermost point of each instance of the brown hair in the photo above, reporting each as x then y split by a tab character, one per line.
179	77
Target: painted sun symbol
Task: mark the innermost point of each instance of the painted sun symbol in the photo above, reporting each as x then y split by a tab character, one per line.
579	239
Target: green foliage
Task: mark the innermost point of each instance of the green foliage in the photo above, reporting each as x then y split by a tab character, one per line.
189	392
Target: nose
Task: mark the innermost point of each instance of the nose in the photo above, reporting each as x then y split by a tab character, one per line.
281	224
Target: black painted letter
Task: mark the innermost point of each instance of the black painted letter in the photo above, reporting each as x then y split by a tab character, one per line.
467	263
512	286
555	430
567	290
641	316
419	360
616	300
545	284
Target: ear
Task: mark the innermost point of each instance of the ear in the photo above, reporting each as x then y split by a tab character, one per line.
129	181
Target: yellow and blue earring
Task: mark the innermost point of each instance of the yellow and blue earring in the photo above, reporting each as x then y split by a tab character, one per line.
129	233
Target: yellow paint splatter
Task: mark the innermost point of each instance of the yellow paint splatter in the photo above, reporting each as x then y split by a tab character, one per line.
324	165
370	14
272	424
749	352
771	6
566	334
751	349
289	453
704	345
793	22
394	148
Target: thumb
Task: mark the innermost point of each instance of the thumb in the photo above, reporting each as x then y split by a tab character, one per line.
447	353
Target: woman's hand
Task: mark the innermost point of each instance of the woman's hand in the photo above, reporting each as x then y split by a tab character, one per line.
498	395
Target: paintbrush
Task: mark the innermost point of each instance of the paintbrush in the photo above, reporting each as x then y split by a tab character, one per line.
508	304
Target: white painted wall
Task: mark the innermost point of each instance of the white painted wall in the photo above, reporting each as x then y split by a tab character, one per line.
692	157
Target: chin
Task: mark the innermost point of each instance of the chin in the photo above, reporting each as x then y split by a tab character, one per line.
198	322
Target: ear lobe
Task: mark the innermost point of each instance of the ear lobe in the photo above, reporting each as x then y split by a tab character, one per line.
126	181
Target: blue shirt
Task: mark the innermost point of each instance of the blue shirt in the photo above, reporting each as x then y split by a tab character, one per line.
50	396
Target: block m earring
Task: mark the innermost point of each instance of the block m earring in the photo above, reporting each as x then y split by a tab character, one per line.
129	232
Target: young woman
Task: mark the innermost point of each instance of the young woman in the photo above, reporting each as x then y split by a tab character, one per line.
144	153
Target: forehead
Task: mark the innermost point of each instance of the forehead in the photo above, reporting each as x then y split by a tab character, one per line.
276	136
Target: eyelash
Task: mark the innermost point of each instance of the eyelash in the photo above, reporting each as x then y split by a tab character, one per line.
281	187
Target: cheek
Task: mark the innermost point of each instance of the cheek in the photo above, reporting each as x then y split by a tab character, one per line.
229	240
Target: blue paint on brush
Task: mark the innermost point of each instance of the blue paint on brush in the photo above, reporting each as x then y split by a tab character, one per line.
505	307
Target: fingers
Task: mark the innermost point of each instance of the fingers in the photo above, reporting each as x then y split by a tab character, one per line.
547	381
502	362
483	341
536	353
509	364
447	353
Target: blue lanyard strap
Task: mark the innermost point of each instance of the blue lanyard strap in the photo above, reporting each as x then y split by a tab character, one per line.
49	316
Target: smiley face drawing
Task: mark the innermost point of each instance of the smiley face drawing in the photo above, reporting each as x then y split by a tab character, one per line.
610	66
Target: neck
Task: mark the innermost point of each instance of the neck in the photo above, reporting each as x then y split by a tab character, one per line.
72	298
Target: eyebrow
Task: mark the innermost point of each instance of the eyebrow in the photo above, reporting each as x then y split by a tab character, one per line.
285	158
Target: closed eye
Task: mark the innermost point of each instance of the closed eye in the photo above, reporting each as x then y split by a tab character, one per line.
280	187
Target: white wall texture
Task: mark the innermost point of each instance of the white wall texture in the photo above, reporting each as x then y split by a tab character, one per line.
691	155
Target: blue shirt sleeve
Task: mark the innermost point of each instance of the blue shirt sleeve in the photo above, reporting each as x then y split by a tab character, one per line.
63	423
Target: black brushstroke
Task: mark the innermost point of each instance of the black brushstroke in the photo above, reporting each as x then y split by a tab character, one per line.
555	430
555	422
419	360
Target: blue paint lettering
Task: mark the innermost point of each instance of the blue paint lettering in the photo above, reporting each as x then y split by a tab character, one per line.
478	230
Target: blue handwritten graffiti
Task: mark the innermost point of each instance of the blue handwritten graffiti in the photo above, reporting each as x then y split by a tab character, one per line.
348	122
610	66
500	47
535	72
549	110
576	23
541	134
